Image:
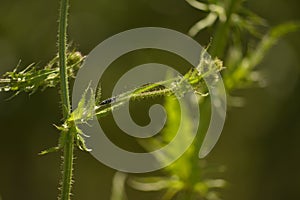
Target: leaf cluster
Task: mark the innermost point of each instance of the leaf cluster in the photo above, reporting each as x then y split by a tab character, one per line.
34	78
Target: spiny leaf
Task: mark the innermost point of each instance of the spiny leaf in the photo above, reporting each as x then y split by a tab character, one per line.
34	78
80	142
85	109
63	127
83	113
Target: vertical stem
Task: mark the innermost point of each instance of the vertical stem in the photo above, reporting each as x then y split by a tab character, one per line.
67	166
64	86
222	32
62	48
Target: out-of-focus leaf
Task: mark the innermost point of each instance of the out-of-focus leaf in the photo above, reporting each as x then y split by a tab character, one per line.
243	74
118	187
202	24
198	5
155	183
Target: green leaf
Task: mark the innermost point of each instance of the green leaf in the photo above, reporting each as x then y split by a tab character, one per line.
155	183
85	110
241	76
202	24
118	186
34	78
80	142
50	150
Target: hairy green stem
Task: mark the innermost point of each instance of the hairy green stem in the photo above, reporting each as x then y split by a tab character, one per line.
62	53
68	165
155	89
64	86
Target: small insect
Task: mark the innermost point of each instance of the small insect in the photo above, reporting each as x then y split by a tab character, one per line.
108	101
142	89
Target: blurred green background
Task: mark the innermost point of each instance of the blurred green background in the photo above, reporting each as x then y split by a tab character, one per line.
260	142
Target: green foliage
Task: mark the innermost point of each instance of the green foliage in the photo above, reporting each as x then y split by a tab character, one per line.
34	78
118	187
247	44
233	27
240	73
194	77
187	177
216	10
81	115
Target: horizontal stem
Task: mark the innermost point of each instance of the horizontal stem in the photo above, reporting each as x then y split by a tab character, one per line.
154	90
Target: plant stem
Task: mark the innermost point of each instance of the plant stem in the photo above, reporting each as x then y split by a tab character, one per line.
223	31
64	86
68	165
62	49
155	89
